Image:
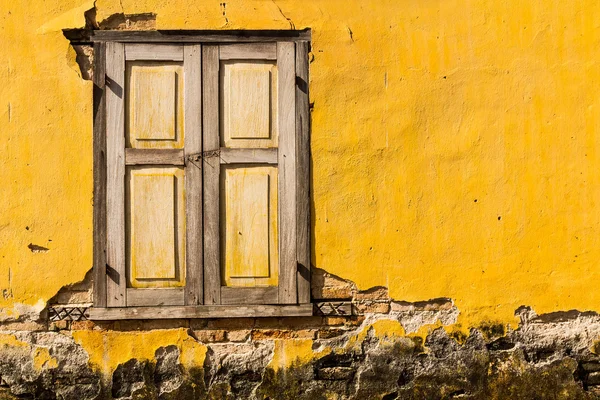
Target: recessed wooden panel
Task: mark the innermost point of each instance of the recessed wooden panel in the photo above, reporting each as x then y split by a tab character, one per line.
249	104
154	105
249	226
156	231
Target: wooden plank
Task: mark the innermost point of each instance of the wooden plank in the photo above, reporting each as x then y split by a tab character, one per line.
248	156
249	295
249	226
249	51
152	52
154	105
212	167
155	297
99	155
115	161
201	36
249	104
155	226
215	311
302	172
286	64
193	175
154	157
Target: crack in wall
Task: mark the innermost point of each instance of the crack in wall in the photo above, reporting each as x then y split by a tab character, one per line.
224	12
292	25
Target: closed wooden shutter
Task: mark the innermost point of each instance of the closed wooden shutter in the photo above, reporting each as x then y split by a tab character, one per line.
153	120
250	174
207	177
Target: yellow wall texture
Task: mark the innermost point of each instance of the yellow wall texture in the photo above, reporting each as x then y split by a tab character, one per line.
454	147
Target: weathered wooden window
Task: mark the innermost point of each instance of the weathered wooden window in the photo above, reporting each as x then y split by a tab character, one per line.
201	175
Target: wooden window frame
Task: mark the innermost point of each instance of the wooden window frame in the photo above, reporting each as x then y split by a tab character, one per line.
202	300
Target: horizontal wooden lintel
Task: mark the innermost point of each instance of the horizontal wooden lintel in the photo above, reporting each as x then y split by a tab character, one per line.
154	157
155	296
217	311
201	36
248	156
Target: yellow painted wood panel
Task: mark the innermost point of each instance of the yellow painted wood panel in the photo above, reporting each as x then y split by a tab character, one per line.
249	104
155	226
249	226
154	104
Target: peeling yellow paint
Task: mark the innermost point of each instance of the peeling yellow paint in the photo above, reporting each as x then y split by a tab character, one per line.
43	360
454	146
289	352
109	349
8	340
388	328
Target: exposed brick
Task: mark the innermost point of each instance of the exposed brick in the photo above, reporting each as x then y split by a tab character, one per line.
354	320
74	297
400	306
165	324
23	326
430	305
328	292
272	334
208	336
334	321
593	378
330	333
231	323
59	325
376	293
591	366
82	325
372	307
301	322
239	335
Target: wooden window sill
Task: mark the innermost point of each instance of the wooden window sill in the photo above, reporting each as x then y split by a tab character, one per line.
216	311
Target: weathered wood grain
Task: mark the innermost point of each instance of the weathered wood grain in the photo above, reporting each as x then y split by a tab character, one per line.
115	160
248	156
250	51
153	52
201	36
99	166
249	107
193	175
249	227
302	172
154	157
155	297
249	295
154	105
215	311
155	226
286	64
212	167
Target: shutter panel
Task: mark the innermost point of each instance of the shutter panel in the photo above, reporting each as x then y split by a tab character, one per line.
249	174
115	176
147	236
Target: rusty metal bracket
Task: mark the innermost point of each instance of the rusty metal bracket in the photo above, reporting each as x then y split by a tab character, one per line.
194	158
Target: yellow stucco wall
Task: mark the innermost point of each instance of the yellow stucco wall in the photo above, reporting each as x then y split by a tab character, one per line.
454	146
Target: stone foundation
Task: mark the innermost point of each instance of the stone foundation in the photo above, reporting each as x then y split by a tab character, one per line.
384	349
